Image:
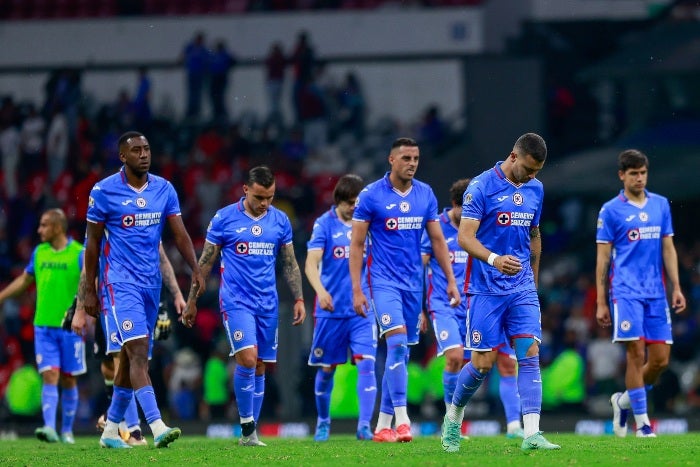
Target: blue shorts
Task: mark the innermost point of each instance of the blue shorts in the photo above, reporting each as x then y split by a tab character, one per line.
395	308
58	348
248	327
648	319
494	320
132	311
450	327
333	336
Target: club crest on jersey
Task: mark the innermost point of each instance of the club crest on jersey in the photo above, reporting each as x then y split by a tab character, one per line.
318	352
633	235
128	220
444	335
404	206
503	218
625	325
386	319
127	325
242	248
348	234
643	216
452	256
256	230
391	223
518	198
339	252
141	202
237	335
476	337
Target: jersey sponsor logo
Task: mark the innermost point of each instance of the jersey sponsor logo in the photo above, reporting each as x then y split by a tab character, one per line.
341	252
515	218
53	265
476	337
518	199
141	202
391	206
633	235
141	219
629	218
405	206
242	248
404	223
237	335
318	352
386	319
452	256
127	220
444	335
337	234
503	218
255	248
643	216
460	256
127	202
241	229
625	325
127	325
391	224
500	199
256	230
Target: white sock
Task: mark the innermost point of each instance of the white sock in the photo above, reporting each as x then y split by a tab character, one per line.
111	429
514	426
246	420
384	421
401	414
641	420
158	427
455	413
531	422
624	401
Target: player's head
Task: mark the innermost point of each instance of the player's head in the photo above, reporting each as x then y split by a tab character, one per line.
345	194
403	159
456	197
135	152
527	157
259	190
633	170
52	225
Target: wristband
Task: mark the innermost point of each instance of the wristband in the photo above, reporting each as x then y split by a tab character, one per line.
299	300
492	258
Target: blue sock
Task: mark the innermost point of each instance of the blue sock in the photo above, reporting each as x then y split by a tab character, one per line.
131	416
508	388
385	405
120	400
69	405
147	400
530	384
638	400
323	386
449	383
395	369
366	390
244	387
258	396
468	382
49	404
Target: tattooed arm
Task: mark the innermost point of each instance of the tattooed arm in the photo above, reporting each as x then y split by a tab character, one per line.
535	252
209	254
292	274
602	266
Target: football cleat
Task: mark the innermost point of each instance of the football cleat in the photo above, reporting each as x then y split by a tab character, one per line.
364	434
136	438
515	434
385	435
113	443
323	431
451	435
46	434
67	438
251	440
645	432
403	433
619	416
537	441
167	437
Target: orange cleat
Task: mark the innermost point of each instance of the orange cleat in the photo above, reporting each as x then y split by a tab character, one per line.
403	433
385	435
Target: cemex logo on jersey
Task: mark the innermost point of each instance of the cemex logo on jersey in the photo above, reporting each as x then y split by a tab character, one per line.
404	223
515	218
141	219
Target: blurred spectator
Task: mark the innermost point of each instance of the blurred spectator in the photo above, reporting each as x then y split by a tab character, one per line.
303	61
432	132
32	143
185	383
57	143
220	64
9	149
195	57
351	107
605	364
141	105
217	392
275	64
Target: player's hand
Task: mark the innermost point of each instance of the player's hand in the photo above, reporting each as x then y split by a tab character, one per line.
299	313
508	264
423	322
91	304
198	282
190	314
68	317
602	315
325	301
180	304
455	296
678	301
360	304
79	322
163	325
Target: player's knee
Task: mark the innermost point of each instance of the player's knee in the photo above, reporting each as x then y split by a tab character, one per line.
50	376
525	347
364	365
68	381
453	363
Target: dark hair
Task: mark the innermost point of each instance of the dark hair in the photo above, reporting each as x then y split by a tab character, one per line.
404	142
532	144
347	188
457	190
127	135
632	159
58	217
262	175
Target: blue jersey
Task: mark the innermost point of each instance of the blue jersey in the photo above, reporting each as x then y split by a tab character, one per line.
396	222
635	232
332	236
133	220
249	248
506	212
437	280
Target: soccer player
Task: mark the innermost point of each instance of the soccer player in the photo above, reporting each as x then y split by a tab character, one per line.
336	325
60	355
634	248
450	324
393	212
108	350
250	235
499	230
126	214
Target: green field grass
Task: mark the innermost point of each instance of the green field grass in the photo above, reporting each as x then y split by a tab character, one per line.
345	450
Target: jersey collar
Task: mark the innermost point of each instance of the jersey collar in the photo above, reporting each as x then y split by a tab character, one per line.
126	182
